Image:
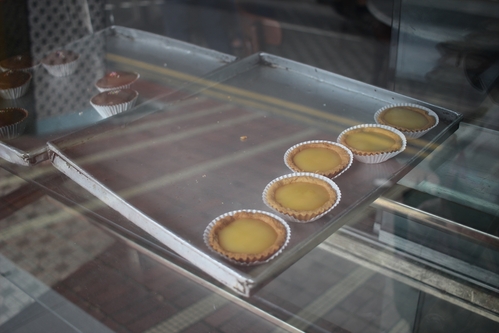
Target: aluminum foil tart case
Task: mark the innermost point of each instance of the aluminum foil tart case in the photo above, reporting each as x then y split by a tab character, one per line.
409	134
110	110
12	122
221	217
347	151
379	157
22	82
61	63
290	218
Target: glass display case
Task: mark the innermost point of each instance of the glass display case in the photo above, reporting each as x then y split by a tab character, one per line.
105	205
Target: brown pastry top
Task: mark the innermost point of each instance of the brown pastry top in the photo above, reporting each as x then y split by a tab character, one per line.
114	97
60	57
10	116
116	79
13	79
234	237
19	62
321	157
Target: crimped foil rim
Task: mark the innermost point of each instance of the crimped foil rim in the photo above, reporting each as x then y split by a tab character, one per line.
381	157
409	134
306	174
111	110
126	86
210	226
286	154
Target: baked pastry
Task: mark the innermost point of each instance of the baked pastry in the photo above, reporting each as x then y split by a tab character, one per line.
14	84
112	102
372	143
302	197
247	236
116	80
12	122
61	63
412	120
22	62
329	159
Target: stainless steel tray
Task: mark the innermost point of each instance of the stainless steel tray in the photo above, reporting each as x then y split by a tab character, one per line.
58	106
217	145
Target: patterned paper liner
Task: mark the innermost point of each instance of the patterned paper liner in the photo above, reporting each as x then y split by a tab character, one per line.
307	174
319	141
409	134
380	157
13	130
110	110
126	86
13	93
253	211
62	69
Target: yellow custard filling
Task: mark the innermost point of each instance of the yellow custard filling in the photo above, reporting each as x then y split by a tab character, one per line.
246	235
302	196
370	141
405	118
316	159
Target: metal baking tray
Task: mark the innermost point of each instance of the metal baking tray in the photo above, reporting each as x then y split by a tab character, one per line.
218	143
59	105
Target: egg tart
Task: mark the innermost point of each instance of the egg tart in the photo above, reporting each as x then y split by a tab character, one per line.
61	63
372	143
12	122
412	120
302	197
23	62
329	159
14	84
247	236
112	102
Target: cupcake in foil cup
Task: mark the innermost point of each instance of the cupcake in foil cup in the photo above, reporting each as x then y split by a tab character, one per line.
61	63
109	103
373	143
14	84
247	237
326	158
412	120
116	80
302	197
22	62
12	122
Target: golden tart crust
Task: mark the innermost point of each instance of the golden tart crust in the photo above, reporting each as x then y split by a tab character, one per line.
300	215
341	153
389	141
399	117
213	238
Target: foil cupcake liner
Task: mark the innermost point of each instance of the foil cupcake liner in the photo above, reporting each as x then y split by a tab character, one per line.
13	130
62	69
13	93
286	154
381	157
308	174
409	134
212	224
126	86
110	110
